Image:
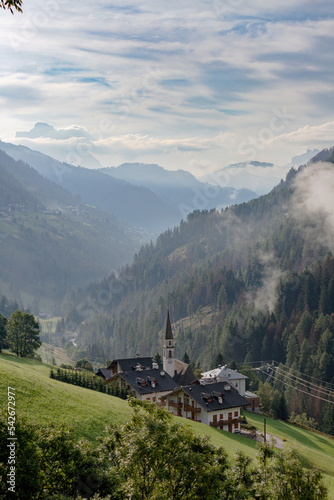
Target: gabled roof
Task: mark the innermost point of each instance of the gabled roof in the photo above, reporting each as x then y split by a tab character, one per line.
213	397
168	332
223	371
148	381
128	364
104	373
184	374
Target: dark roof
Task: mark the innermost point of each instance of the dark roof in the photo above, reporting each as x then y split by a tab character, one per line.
128	364
184	374
168	332
207	396
104	373
148	381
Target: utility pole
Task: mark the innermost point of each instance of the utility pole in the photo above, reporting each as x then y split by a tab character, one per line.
265	430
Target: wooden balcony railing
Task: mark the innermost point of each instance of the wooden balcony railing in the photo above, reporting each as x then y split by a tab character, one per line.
175	405
220	423
191	408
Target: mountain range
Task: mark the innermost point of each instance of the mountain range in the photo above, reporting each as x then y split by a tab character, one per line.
144	196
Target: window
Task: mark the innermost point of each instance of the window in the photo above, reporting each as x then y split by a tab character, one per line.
215	418
170	354
221	416
236	413
154	399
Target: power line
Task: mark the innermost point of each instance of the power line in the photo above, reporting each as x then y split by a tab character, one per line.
304	382
296	388
309	376
273	362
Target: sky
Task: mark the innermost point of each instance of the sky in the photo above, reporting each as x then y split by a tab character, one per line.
193	85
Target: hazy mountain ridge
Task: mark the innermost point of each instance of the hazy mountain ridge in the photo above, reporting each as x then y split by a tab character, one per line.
134	205
50	241
147	197
179	189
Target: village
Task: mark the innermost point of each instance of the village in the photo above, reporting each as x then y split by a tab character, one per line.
216	399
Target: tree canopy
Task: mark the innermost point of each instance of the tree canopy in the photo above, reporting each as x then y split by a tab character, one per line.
11	4
149	458
3	340
85	364
23	334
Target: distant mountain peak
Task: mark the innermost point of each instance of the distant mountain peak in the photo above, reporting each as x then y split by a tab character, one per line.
304	158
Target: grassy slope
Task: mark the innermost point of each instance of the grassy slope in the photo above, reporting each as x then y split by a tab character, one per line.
47	352
313	449
44	400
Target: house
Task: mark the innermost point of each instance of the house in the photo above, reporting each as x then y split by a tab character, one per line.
222	373
128	364
148	385
217	404
237	380
253	400
103	373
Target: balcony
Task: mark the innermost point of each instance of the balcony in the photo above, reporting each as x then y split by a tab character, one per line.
220	423
191	408
173	404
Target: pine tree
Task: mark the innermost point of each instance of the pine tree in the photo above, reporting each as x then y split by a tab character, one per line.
282	408
186	359
218	360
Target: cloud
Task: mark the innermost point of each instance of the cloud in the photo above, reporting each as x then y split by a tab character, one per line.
265	296
139	143
170	78
49	132
317	134
313	203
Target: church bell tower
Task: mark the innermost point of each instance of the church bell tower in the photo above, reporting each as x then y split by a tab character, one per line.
168	349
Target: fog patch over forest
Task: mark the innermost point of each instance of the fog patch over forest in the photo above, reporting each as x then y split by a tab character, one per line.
312	203
265	297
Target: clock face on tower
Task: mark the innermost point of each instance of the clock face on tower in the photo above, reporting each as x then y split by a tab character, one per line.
170	361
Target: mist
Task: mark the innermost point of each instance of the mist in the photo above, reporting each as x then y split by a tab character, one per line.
312	203
265	296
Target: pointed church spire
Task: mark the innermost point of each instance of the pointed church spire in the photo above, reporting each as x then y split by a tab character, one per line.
168	349
168	333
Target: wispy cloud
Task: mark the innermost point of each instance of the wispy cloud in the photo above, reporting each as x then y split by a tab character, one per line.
171	78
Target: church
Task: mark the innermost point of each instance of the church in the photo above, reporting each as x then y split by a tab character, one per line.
176	388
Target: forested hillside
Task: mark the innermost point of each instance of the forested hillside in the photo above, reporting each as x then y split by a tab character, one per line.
253	282
50	241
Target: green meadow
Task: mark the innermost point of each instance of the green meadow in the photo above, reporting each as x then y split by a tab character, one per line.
44	400
314	450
